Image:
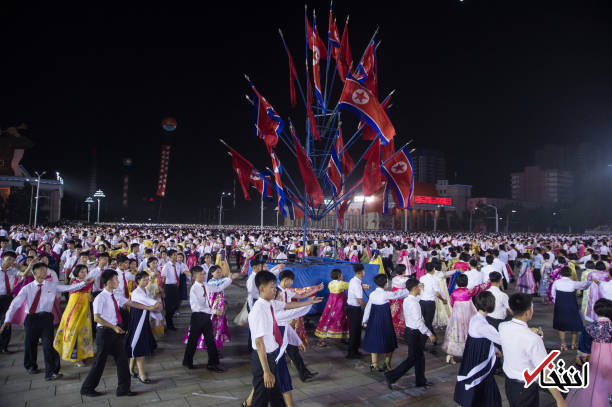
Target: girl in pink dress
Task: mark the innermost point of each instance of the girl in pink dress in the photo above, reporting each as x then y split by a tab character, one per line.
600	373
334	323
463	310
398	283
593	293
403	257
526	282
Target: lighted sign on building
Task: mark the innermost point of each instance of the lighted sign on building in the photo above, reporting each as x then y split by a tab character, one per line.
433	200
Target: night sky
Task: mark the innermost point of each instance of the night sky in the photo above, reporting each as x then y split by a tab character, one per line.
487	82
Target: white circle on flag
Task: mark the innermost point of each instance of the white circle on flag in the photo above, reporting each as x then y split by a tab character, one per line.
315	54
255	177
361	97
399	167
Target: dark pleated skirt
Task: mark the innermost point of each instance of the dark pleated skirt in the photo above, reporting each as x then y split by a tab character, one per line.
183	294
379	334
282	371
486	392
146	343
567	316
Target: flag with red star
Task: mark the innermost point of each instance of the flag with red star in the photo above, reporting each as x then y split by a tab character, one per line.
399	173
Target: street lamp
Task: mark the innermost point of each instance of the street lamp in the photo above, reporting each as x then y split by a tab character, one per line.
88	201
99	195
37	195
223	194
471	213
496	217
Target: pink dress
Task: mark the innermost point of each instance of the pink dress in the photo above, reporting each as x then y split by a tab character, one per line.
526	283
334	322
397	314
404	259
463	310
600	373
594	293
221	330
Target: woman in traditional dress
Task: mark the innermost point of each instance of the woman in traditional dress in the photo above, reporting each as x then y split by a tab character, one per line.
526	282
545	280
220	328
248	254
155	290
398	283
463	310
593	293
140	341
333	323
476	386
597	394
443	309
566	316
354	255
74	340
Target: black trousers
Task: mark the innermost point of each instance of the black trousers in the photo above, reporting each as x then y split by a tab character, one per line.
108	342
171	302
5	336
416	345
40	326
519	396
201	325
537	275
294	354
355	315
263	396
428	309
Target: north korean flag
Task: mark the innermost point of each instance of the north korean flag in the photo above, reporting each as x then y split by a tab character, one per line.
333	175
358	99
399	173
243	169
262	181
333	37
316	58
268	123
278	170
366	70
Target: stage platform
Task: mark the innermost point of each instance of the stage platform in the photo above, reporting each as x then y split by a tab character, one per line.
317	269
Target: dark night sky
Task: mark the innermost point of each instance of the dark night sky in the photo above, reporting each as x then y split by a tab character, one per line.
485	81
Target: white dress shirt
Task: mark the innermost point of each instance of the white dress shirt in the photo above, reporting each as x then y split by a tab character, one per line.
12	277
168	272
355	291
566	284
480	328
430	287
486	270
199	301
522	348
501	303
261	324
47	296
413	316
474	278
103	306
252	291
605	288
380	297
124	277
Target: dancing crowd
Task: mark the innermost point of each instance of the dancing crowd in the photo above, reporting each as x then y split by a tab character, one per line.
87	292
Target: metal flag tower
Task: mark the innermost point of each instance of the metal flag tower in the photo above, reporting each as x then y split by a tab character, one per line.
323	127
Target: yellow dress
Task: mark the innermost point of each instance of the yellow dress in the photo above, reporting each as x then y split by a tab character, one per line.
74	340
157	326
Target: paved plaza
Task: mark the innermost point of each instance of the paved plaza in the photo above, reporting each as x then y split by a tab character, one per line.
340	382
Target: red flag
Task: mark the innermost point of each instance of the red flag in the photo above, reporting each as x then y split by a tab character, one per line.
316	71
344	60
366	70
387	151
268	123
398	171
345	158
243	169
315	42
360	100
293	76
368	133
371	180
342	210
333	38
311	118
313	189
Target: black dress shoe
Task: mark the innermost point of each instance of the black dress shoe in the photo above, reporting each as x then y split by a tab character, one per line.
91	393
33	370
389	384
144	381
189	366
129	394
215	368
54	376
426	384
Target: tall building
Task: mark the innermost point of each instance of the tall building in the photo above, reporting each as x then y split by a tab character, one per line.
429	165
535	184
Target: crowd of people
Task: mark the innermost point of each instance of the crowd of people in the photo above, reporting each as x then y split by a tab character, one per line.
87	292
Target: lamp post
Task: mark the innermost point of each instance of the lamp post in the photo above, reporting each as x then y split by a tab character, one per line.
496	217
99	195
88	201
37	195
508	219
223	194
471	213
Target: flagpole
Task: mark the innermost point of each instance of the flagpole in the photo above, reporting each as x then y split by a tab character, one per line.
393	155
261	211
335	70
289	56
307	137
328	57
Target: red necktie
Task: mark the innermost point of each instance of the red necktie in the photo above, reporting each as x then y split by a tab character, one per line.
117	313
204	288
7	283
126	292
36	300
276	330
176	276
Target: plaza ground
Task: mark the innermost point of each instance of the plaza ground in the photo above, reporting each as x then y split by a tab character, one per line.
340	382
